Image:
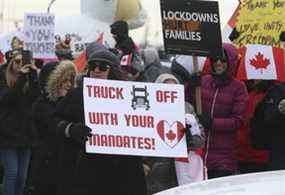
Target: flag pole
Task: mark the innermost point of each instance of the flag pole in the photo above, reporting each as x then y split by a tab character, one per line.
282	44
49	6
198	88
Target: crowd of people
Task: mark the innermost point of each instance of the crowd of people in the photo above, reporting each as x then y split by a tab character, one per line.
43	135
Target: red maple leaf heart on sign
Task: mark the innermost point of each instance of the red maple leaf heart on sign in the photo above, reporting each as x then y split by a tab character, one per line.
171	135
260	62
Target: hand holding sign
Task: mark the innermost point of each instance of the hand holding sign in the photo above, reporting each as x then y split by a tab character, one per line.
79	132
134	118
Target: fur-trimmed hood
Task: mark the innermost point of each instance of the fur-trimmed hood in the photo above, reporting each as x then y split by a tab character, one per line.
52	77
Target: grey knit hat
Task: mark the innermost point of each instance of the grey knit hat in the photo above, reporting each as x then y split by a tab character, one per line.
104	55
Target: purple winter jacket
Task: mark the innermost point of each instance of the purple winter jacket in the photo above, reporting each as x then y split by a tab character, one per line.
225	101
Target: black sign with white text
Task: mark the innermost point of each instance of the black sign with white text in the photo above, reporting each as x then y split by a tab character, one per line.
191	27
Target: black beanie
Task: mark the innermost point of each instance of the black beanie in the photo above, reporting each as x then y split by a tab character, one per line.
120	28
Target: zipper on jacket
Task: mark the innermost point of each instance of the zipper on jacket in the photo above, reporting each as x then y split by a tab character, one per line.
214	102
209	134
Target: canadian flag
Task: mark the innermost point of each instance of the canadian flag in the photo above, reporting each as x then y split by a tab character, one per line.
126	60
100	38
261	62
81	60
1	58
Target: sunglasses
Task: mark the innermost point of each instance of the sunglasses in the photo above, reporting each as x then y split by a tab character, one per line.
101	65
215	60
223	58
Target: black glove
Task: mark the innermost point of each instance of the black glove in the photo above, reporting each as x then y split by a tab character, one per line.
80	132
206	121
195	80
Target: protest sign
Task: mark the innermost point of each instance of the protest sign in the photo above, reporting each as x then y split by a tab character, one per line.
39	34
260	22
191	27
135	118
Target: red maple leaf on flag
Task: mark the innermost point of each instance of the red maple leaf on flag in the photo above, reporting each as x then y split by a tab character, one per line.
260	62
170	135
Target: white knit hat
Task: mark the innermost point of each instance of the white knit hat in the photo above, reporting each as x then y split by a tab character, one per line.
163	77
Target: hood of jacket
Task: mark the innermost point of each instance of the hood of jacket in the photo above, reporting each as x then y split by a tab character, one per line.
53	75
163	77
231	54
151	57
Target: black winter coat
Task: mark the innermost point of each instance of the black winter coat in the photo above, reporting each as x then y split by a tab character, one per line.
43	173
268	127
89	174
16	127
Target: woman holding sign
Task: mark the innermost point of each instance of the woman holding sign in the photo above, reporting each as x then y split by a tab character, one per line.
88	174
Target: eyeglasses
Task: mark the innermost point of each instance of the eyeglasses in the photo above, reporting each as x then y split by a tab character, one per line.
101	65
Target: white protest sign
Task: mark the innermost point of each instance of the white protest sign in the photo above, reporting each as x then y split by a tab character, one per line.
39	34
135	118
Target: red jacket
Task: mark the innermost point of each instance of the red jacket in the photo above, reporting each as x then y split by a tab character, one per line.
245	152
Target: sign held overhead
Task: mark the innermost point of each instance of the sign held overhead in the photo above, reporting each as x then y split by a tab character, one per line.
191	27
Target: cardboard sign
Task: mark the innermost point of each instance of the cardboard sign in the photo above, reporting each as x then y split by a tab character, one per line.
191	27
135	118
260	22
39	34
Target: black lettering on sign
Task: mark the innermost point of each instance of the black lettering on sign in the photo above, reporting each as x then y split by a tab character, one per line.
251	6
40	20
278	4
250	27
41	35
258	39
41	48
273	26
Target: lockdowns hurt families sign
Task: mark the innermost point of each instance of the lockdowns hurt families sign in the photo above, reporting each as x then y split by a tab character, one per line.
135	118
191	27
